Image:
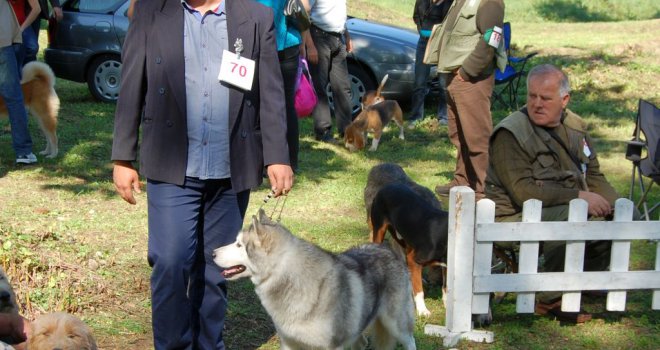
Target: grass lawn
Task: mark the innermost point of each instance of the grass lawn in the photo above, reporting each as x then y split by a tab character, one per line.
68	242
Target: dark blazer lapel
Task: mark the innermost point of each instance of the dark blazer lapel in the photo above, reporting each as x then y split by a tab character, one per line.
169	22
238	26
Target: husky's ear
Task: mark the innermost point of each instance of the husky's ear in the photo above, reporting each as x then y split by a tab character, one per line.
255	222
264	219
258	222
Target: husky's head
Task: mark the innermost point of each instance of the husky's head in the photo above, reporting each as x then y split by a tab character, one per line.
7	296
241	258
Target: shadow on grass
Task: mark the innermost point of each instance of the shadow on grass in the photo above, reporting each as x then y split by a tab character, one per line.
569	11
247	325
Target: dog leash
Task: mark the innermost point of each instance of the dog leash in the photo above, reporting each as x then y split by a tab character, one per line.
267	198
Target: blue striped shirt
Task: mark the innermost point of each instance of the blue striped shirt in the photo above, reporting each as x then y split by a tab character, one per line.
207	106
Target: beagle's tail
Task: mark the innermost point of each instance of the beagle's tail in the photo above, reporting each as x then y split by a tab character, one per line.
382	84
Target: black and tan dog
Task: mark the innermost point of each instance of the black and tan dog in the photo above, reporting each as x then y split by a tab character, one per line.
384	174
375	115
417	226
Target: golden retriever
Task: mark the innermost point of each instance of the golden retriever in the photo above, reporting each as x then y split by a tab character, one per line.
41	101
61	331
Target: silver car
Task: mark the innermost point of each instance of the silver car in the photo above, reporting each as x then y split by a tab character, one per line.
86	47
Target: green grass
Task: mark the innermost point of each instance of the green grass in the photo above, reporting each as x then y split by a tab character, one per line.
69	243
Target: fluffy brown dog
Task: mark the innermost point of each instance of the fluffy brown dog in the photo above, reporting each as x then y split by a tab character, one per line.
61	331
41	101
373	119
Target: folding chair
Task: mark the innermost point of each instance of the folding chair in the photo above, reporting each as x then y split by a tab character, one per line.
646	136
510	78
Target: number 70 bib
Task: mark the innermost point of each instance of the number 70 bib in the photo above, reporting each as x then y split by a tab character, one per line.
236	70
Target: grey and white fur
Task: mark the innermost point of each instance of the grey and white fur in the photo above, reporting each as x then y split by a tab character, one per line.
321	300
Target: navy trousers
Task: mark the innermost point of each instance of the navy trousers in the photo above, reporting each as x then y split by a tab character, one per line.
188	292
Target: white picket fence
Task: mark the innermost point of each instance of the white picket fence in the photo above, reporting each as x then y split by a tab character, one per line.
472	232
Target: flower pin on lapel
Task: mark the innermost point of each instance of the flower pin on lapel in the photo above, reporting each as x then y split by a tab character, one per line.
238	47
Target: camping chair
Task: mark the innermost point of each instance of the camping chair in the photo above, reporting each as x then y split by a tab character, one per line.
646	135
510	78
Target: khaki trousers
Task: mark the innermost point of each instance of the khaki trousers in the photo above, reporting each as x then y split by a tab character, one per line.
470	125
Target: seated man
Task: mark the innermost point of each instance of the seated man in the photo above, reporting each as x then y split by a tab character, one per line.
544	152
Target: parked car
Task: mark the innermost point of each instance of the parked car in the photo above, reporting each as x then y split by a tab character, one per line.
86	47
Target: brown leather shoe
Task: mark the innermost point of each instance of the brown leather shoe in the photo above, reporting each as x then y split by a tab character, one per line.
554	310
443	190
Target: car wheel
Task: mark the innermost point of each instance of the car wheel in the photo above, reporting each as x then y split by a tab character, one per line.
104	78
361	82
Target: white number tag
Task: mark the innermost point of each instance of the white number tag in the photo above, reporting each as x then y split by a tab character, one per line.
237	71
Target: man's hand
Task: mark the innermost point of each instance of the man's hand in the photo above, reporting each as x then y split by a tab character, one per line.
281	178
57	12
598	205
312	53
126	180
349	44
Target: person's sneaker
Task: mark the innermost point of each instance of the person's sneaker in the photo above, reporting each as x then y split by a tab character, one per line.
328	138
442	121
26	159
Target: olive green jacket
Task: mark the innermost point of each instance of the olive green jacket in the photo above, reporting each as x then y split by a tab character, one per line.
527	162
459	41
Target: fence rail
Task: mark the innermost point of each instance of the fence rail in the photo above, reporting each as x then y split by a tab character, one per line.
473	231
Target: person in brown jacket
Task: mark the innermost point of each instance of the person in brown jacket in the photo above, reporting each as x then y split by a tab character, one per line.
543	151
468	52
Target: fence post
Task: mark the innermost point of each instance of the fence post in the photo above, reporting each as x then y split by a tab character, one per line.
529	255
620	255
483	255
656	293
458	319
578	211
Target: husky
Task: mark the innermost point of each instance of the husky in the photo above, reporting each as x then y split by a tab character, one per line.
321	300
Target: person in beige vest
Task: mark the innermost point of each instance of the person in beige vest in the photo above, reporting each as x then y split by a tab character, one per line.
468	46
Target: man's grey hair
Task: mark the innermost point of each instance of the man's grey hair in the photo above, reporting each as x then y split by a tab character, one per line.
546	69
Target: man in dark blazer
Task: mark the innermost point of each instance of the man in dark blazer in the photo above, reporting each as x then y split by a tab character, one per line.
204	145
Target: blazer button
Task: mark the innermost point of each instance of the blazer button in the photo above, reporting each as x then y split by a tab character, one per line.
158	60
169	123
161	91
243	134
249	103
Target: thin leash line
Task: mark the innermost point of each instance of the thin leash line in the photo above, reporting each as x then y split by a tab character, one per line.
267	198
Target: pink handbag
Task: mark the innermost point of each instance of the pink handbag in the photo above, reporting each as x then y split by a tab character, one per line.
305	95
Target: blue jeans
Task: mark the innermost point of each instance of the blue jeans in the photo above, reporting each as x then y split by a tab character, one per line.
188	292
421	87
10	90
31	41
332	68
